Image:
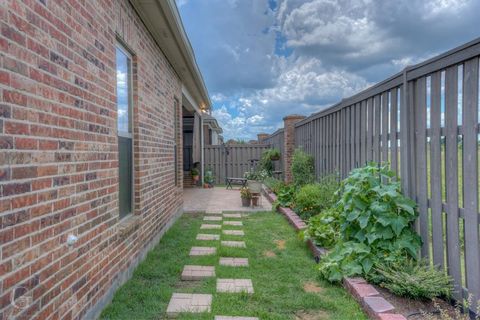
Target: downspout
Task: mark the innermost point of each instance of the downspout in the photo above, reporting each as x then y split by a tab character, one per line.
202	151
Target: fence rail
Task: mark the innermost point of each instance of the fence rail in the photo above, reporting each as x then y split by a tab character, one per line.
231	160
424	122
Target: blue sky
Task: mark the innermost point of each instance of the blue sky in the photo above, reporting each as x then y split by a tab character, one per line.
264	59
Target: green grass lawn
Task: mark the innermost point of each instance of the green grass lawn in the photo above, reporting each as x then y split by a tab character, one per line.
280	272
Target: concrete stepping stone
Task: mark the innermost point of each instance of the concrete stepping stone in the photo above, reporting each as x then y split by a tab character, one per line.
233	223
234	318
234	244
210	226
187	302
213	211
232	215
212	218
234	262
234	285
203	251
192	273
234	232
208	237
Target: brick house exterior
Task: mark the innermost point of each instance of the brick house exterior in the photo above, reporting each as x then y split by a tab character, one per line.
59	148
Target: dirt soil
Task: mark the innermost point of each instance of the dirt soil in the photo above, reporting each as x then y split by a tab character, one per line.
412	309
312	287
311	315
280	244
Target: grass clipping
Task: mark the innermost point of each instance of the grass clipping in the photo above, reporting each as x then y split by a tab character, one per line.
417	280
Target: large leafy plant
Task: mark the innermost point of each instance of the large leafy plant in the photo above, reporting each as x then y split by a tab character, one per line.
375	224
285	196
323	229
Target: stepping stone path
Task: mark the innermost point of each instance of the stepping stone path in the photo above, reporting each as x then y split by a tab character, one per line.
208	237
203	251
233	223
232	215
234	285
233	232
234	318
212	218
186	302
196	303
210	226
234	244
234	262
197	272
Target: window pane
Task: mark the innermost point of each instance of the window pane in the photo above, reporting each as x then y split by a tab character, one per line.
123	92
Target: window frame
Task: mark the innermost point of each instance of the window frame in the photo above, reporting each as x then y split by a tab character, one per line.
120	45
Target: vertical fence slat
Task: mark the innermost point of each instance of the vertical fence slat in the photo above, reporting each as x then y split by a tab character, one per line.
470	176
358	124
377	113
451	178
421	162
384	148
435	171
363	133
393	130
369	130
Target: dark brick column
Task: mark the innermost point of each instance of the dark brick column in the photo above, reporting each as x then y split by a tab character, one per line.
289	143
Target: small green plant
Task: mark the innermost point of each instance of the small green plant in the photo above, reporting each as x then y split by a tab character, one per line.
245	193
323	229
312	199
303	169
460	311
413	279
194	172
375	225
285	196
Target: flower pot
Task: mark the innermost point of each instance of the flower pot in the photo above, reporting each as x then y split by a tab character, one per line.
246	202
275	158
195	179
255	201
254	186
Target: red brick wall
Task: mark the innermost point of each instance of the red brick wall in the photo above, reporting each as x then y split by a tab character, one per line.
58	159
289	144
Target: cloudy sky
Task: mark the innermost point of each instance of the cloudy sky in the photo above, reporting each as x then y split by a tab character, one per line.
264	59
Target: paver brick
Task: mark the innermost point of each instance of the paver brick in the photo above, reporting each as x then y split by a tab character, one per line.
234	262
234	285
208	237
197	272
378	304
233	223
212	218
202	251
232	215
391	316
186	302
234	232
210	226
234	244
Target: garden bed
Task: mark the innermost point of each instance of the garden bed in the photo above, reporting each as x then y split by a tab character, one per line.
378	303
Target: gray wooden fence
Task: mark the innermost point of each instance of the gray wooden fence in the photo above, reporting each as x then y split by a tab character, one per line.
232	160
423	121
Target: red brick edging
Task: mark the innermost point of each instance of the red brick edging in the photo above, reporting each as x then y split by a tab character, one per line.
371	301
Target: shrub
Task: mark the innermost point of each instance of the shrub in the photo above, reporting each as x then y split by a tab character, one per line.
209	178
323	229
312	199
245	193
266	161
258	175
303	169
375	225
413	279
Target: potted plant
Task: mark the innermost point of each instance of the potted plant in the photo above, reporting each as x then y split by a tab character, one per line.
246	196
195	175
209	179
254	180
274	154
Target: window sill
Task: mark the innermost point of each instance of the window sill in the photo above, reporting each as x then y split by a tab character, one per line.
128	225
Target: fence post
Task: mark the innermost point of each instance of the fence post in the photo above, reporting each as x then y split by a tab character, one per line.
289	143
